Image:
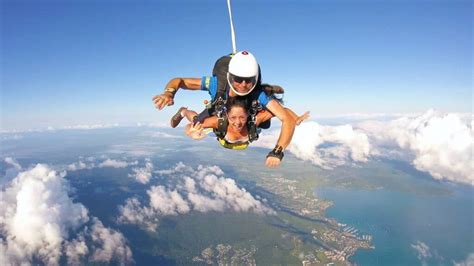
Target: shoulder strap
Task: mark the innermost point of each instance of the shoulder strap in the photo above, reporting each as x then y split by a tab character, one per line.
255	107
221	129
220	71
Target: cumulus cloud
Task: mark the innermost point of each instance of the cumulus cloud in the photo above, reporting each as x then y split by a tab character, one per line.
325	146
40	222
108	244
442	144
80	165
203	189
143	174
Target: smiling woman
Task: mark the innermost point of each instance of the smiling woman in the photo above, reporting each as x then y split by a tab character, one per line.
235	128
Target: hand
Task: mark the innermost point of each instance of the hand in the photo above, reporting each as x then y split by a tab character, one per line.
272	162
196	131
162	100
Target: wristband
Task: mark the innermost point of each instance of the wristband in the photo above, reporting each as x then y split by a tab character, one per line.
276	152
171	90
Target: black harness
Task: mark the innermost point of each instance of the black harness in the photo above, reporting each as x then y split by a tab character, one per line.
222	121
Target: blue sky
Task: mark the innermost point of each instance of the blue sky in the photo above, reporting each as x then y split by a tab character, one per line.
65	63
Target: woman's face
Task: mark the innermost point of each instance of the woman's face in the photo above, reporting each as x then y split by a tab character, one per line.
237	117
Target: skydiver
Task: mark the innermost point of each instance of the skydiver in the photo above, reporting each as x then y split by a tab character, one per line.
242	80
234	134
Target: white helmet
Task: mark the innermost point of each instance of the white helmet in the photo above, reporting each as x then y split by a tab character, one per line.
243	67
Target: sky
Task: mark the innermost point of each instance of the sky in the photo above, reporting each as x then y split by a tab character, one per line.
66	63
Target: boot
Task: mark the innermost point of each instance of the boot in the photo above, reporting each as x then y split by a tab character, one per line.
177	117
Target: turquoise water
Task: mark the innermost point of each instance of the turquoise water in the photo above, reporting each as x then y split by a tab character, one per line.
398	220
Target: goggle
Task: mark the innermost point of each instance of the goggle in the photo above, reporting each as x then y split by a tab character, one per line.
247	80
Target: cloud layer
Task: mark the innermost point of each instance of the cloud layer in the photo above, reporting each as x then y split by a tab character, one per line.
325	146
204	189
441	144
40	222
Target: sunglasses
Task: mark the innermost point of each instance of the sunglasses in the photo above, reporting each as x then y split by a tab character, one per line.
238	79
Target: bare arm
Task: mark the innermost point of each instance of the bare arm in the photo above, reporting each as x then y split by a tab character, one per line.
166	98
185	83
288	124
263	116
210	122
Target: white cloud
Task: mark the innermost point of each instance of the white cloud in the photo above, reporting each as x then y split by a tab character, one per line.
133	213
113	163
325	146
143	174
469	261
422	250
91	162
11	172
441	144
180	167
109	244
167	202
204	189
13	163
75	250
80	165
38	221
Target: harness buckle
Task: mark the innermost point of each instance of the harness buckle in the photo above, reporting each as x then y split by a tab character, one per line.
220	107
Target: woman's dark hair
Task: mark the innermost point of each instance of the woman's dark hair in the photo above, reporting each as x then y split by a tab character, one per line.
236	101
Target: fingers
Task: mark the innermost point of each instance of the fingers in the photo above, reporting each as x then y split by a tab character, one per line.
158	100
272	162
162	100
302	118
197	127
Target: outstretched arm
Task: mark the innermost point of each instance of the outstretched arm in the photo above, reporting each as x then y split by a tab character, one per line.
266	115
166	98
288	123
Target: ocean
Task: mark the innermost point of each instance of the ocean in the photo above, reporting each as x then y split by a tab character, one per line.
408	228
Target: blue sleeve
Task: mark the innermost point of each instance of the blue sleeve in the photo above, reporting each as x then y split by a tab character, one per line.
209	84
264	99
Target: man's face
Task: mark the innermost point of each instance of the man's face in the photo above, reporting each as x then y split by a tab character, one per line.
242	87
242	84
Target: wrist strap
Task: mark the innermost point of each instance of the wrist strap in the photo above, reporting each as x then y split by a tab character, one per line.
276	152
170	90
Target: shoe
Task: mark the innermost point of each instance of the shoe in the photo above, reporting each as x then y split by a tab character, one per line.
177	117
272	89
